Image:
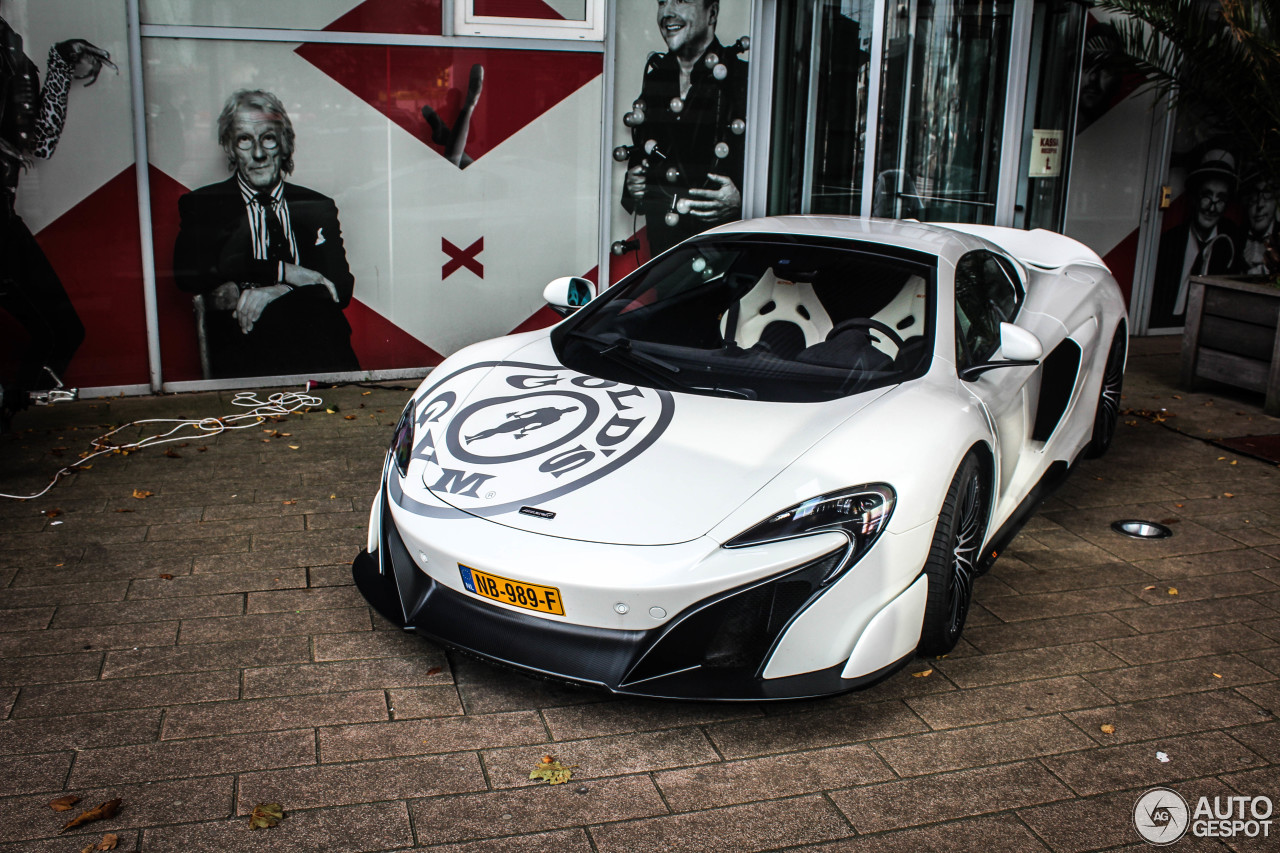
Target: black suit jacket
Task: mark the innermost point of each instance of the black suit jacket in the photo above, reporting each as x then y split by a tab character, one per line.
301	332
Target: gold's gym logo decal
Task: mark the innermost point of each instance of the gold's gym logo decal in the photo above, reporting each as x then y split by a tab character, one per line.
497	437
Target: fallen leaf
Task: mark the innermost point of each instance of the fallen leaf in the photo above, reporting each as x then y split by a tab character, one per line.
64	804
1228	495
201	449
1153	586
922	674
333	410
166	577
289	503
552	771
1173	590
1215	675
265	815
293	447
365	393
98	812
141	494
108	842
333	497
1179	506
185	444
173	454
435	670
125	510
52	513
1108	729
348	417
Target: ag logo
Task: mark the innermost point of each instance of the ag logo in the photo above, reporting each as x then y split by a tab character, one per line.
499	436
1161	816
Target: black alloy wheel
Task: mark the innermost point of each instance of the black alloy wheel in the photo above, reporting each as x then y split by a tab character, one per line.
953	558
1107	415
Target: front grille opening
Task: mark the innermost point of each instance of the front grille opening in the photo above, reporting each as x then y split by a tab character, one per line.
735	632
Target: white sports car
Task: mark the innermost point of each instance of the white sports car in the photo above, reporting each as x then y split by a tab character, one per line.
768	464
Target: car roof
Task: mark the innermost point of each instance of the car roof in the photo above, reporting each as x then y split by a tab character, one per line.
946	243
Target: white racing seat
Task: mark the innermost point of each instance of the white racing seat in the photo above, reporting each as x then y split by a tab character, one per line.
772	301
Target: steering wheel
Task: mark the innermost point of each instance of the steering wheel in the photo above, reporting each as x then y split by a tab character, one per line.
867	323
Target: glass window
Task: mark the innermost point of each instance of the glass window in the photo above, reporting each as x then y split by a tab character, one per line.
986	296
942	114
820	106
559	19
761	318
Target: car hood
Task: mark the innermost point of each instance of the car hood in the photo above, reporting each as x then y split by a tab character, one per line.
512	436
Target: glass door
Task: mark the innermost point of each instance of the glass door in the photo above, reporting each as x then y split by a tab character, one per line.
946	64
820	106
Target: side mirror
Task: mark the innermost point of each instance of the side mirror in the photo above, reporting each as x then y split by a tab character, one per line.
1019	347
568	294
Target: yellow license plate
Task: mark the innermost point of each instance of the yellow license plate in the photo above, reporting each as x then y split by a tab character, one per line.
544	599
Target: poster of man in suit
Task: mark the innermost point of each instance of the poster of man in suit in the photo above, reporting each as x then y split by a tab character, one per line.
265	256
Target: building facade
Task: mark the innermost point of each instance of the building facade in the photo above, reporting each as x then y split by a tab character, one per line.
446	158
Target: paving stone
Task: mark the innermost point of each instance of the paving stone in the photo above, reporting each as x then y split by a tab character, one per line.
193	585
1166	717
1268	658
25	618
996	743
1262	739
420	671
897	804
1265	696
561	841
619	716
734	829
1205	587
534	809
1048	604
1094	823
242	559
80	731
328	598
53	595
49	669
1031	580
206	657
748	738
153	692
487	689
26	774
260	715
427	737
1194	614
1044	633
1118	768
1187	643
177	801
735	782
365	645
83	615
63	641
227	629
339	575
349	829
1007	701
218	529
418	702
1001	832
7	697
1026	664
363	782
644	752
214	756
1167	679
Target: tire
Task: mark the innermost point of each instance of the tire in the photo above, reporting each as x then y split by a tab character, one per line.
1107	414
953	558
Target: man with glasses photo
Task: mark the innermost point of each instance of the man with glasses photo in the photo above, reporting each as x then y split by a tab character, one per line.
266	255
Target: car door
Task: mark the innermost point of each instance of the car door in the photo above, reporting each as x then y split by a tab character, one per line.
988	292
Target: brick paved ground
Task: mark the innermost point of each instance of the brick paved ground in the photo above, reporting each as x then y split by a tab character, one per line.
257	674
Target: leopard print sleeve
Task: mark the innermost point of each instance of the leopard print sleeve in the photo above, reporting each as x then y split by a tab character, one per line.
53	106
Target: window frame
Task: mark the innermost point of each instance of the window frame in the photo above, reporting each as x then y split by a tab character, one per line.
467	23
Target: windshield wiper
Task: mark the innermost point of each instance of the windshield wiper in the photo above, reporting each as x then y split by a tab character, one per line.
617	347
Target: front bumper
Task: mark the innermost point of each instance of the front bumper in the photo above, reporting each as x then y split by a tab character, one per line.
715	649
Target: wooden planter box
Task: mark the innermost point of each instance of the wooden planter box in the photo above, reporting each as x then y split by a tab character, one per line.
1231	336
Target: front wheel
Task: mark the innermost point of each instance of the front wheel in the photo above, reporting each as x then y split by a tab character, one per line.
953	558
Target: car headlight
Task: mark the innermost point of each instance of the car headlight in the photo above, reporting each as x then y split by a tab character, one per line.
402	441
861	513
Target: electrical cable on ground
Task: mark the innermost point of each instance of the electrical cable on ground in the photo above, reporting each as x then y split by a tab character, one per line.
277	405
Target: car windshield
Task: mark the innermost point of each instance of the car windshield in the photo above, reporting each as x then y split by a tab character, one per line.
774	318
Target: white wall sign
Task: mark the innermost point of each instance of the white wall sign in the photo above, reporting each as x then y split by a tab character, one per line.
1046	154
